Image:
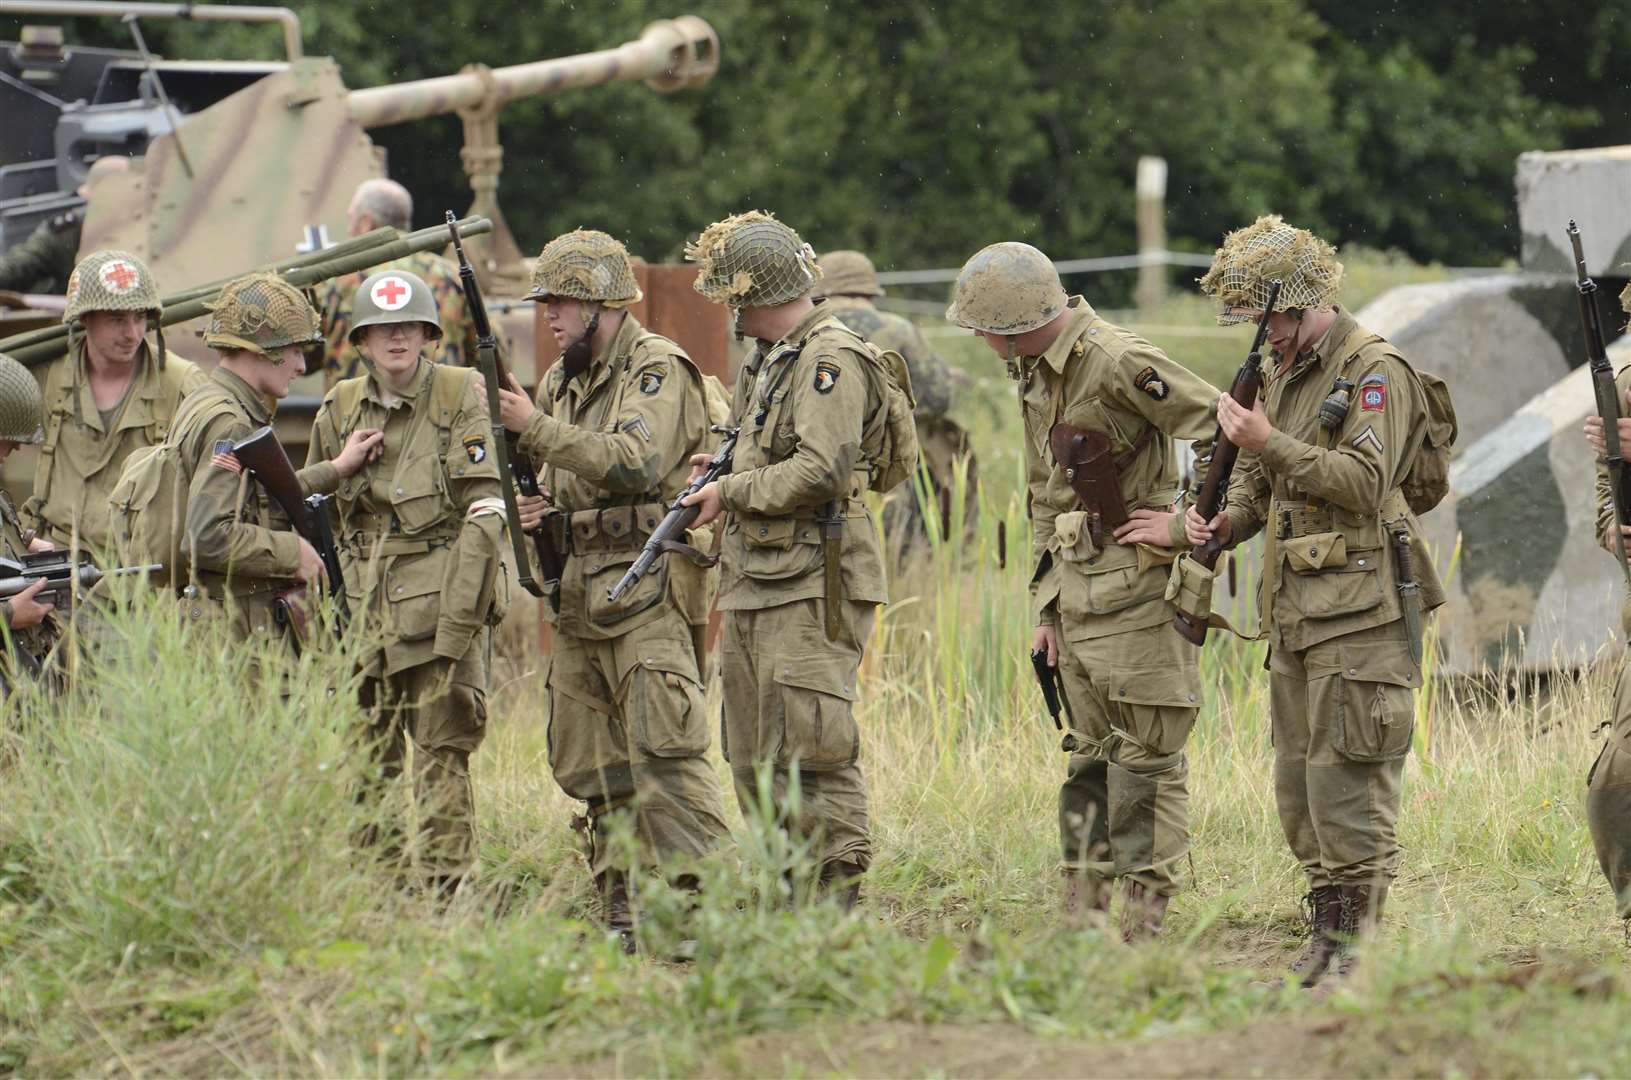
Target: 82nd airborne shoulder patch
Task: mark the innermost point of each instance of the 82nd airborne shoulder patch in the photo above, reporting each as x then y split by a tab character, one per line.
826	376
1152	384
1373	393
475	448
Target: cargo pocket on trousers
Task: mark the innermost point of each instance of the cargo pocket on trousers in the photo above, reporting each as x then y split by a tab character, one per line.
668	708
1154	709
1375	709
818	714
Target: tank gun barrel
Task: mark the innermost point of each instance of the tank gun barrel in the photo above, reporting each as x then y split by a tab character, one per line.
200	12
380	246
670	54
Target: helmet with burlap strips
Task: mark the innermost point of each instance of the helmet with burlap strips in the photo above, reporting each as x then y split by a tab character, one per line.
394	296
585	264
1266	250
752	260
848	273
261	313
111	281
1625	298
1007	288
19	403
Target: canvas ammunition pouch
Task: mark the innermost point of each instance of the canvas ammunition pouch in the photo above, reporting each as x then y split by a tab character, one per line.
611	528
1094	473
1358	532
1189	589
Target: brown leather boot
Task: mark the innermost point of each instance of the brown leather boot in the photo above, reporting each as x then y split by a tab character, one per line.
1324	920
1359	914
614	892
843	881
1142	912
1084	894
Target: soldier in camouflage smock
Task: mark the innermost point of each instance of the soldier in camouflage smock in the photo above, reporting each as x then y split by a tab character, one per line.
419	527
612	433
850	284
375	204
25	621
244	552
1132	686
1608	795
111	395
810	411
1323	460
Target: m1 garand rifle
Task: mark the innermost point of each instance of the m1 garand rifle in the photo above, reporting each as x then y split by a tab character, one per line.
65	579
669	535
1608	396
262	454
511	461
1244	390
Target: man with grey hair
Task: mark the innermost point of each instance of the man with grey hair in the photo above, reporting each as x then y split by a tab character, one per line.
379	203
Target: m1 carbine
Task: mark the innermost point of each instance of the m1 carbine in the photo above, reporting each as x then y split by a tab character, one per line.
670	532
262	454
64	578
1608	396
511	461
1244	390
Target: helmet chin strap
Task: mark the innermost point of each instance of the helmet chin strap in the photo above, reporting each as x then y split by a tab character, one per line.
575	360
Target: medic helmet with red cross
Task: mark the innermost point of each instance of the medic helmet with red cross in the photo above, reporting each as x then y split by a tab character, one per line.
394	296
111	281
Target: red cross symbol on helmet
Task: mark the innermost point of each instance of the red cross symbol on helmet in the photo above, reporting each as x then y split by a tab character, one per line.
119	276
390	293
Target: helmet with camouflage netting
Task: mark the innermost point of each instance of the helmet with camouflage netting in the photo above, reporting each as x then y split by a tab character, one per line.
394	296
1007	288
111	281
585	264
848	273
752	260
1263	251
19	403
261	313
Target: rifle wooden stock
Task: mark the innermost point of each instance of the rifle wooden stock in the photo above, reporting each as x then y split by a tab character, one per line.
1606	393
1247	385
262	454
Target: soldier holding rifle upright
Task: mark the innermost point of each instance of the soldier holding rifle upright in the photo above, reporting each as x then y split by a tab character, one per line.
1333	460
1101	408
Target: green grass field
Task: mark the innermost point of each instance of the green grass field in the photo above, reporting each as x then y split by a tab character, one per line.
179	894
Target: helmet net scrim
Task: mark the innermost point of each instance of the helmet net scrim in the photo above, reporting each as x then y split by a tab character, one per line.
586	264
260	313
752	260
1253	257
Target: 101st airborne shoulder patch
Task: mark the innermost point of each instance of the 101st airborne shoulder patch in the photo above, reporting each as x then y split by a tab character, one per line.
826	376
651	382
475	448
1373	393
1152	384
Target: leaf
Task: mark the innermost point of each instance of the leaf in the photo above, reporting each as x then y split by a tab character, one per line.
940	955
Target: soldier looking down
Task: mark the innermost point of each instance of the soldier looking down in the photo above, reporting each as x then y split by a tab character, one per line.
26	620
1101	407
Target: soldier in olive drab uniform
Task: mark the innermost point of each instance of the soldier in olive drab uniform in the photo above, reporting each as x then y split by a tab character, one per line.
244	553
1608	784
1323	458
111	395
811	410
1099	591
419	529
615	424
850	284
26	620
42	263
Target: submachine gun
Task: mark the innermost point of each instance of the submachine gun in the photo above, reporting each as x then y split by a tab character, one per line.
1608	396
511	462
1245	389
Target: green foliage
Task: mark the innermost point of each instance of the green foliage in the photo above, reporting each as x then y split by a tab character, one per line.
922	132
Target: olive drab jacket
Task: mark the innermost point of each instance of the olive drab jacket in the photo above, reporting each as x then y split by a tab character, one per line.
36	641
931	377
811	420
613	450
419	528
1324	496
1605	508
1099	377
81	457
244	549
